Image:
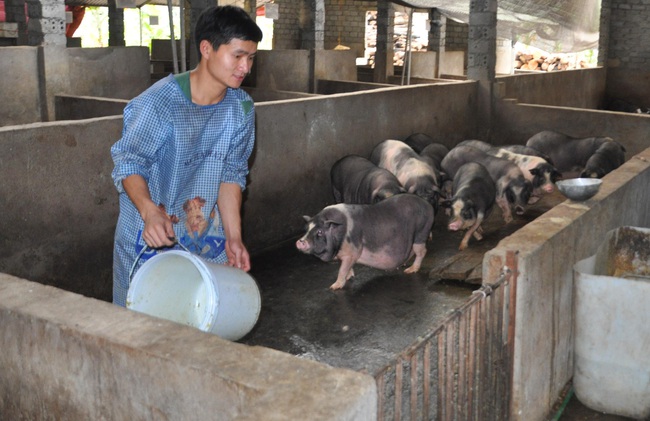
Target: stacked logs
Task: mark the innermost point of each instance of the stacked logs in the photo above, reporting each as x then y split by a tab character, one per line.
540	62
400	31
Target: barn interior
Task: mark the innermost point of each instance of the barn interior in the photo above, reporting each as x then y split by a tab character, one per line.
486	334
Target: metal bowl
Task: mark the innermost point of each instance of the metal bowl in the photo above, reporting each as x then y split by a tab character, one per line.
579	189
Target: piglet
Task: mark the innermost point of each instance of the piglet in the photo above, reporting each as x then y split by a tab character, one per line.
383	236
414	173
356	180
512	188
589	156
473	198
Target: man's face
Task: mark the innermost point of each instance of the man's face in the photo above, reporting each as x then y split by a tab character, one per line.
231	62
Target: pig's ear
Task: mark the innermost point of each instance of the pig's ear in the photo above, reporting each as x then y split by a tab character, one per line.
306	218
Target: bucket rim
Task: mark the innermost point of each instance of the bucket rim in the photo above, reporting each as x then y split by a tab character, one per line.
211	302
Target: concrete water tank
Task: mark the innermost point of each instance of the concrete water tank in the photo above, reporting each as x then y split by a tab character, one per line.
612	329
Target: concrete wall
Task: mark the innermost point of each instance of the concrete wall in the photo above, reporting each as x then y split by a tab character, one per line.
547	249
69	357
69	107
309	135
60	207
516	123
297	70
281	70
67	165
582	88
423	64
19	84
33	76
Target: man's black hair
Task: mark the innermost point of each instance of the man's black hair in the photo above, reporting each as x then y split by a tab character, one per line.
220	24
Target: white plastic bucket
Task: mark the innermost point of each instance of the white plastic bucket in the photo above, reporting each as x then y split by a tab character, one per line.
612	333
180	286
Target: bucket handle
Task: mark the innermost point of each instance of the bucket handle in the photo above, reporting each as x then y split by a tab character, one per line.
145	248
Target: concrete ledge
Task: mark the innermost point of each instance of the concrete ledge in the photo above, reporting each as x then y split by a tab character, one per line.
65	356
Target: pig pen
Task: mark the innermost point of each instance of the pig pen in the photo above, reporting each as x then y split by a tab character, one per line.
414	333
118	351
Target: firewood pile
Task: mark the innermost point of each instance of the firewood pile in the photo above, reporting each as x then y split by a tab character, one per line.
547	63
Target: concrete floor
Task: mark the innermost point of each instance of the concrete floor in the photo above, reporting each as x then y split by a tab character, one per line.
378	313
573	410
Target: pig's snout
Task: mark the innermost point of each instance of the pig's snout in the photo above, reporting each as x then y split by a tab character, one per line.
519	210
302	245
548	188
455	225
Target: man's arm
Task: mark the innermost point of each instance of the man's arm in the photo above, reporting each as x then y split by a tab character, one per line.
229	203
158	231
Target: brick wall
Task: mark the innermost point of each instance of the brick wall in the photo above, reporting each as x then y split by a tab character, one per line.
286	29
346	19
628	34
627	53
457	34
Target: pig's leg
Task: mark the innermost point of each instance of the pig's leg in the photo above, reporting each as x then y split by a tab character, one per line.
348	256
505	208
420	250
345	273
473	230
478	234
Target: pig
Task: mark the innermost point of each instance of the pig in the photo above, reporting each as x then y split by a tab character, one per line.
525	150
414	173
434	153
356	180
608	157
383	236
512	188
418	141
573	155
473	198
520	149
478	144
536	169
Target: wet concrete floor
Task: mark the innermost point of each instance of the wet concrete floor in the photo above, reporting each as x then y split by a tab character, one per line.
378	313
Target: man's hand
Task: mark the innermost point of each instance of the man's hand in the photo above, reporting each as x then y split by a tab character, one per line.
158	229
229	203
238	255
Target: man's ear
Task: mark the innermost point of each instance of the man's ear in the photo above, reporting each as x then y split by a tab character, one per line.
205	47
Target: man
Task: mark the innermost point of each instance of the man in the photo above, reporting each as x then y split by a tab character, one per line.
184	149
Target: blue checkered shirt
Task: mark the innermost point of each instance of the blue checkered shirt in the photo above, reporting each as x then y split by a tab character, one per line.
184	151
